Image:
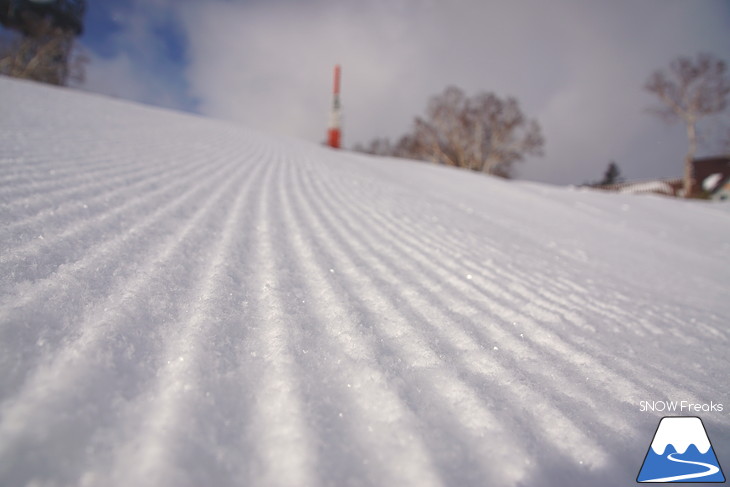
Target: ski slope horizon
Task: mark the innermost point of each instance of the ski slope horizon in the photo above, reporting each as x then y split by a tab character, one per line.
189	302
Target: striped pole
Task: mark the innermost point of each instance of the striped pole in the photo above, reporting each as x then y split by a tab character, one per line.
334	133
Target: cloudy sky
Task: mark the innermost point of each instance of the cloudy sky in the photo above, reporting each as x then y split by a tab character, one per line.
576	66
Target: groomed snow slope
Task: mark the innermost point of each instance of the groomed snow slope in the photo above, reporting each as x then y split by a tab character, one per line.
186	302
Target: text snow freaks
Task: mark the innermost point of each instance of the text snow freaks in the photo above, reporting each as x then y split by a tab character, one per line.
680	407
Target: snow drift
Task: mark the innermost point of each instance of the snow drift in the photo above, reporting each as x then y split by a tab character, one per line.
187	302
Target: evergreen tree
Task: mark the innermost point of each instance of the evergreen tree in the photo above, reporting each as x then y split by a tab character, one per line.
612	175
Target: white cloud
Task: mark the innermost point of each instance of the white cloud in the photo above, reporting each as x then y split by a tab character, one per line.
139	70
121	77
114	77
578	67
271	68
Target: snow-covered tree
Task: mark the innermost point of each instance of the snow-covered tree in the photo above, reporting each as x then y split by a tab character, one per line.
40	41
482	133
612	174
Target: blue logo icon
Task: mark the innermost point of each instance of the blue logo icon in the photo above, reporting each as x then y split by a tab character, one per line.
680	452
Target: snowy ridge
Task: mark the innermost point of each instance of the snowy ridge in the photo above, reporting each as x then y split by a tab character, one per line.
186	302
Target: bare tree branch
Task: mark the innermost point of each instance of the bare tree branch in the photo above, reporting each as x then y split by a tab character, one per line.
483	133
690	90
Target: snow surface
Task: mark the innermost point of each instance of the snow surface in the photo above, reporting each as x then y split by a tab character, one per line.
187	302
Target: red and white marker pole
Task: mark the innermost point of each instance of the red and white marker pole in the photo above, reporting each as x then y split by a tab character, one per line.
334	133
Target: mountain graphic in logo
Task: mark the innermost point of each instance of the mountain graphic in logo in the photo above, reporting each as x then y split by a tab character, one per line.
680	452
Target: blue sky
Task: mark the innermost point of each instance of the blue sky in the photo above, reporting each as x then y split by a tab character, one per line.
138	53
576	66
